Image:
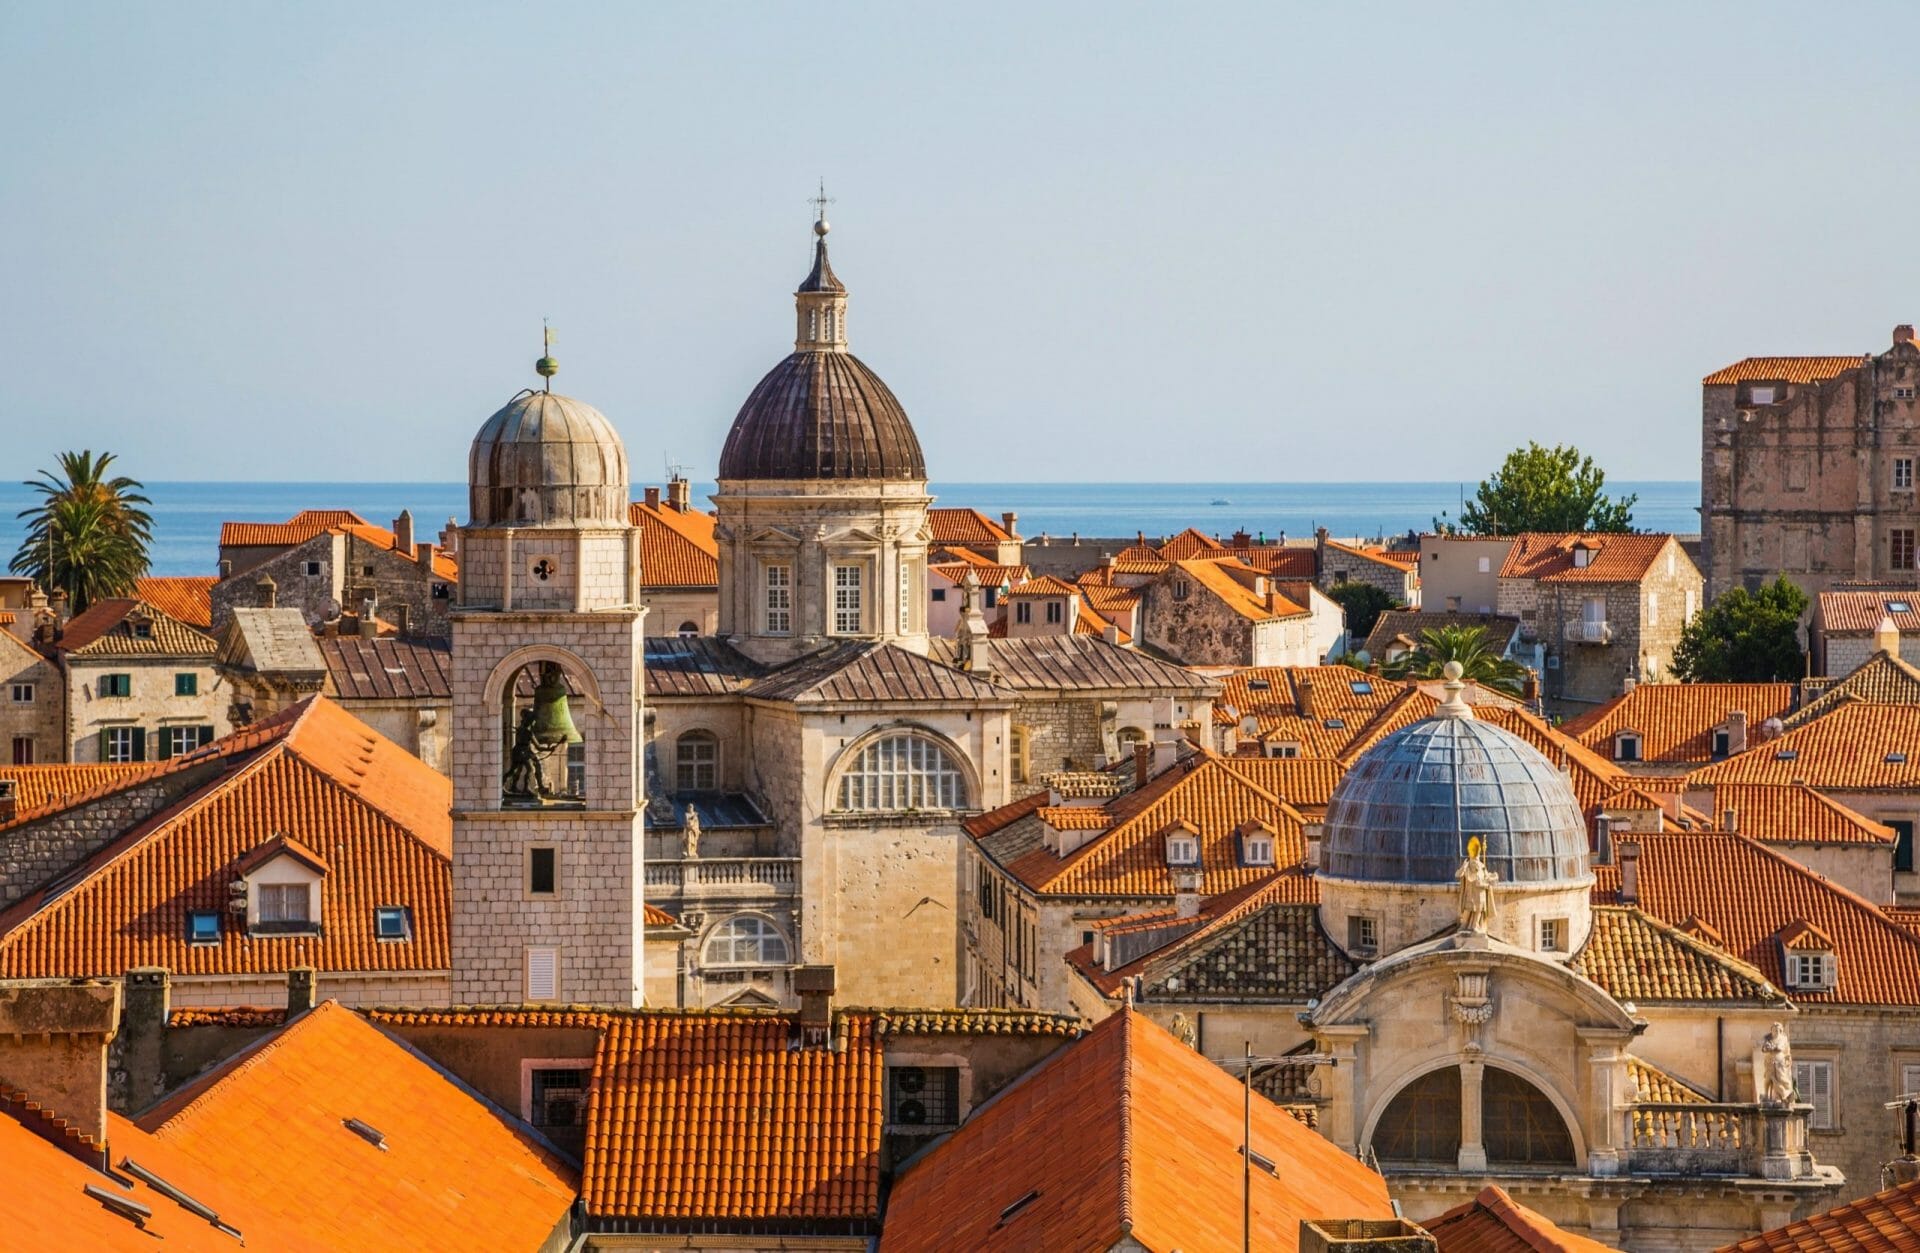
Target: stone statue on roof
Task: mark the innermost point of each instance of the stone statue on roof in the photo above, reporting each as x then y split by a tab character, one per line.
690	832
1476	890
1773	1067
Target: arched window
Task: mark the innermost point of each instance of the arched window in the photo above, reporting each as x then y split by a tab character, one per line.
746	940
1130	736
1422	1124
696	762
688	630
904	771
1522	1127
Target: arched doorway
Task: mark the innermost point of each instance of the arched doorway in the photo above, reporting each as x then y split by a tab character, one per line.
1521	1128
1520	1125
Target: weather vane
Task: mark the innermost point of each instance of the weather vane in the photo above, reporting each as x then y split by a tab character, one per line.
546	367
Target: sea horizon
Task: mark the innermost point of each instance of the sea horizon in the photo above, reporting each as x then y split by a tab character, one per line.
187	514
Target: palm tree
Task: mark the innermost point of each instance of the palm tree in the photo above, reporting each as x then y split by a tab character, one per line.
88	535
1466	645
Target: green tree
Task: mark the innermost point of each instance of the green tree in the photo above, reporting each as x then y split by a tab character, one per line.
1744	637
88	536
1542	489
1364	604
1466	645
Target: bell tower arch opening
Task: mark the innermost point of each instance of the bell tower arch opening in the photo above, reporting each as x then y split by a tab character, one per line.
1496	1117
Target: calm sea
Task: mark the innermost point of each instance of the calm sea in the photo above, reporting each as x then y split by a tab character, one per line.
187	516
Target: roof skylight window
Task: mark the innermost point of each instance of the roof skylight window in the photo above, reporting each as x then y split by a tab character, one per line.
390	922
1019	1205
203	927
1361	687
1335	724
1258	685
1899	606
1896	759
197	1208
1787	754
372	1135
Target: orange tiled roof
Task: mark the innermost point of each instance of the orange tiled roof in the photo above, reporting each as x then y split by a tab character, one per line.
1494	1222
1684	876
658	917
1191	542
1782	370
677	548
1108	598
1124	1135
1789	814
1857	747
1637	957
444	566
964	526
705	1117
321	777
107	628
1676	721
1218	577
270	1125
1861	612
1342	696
986	572
36	787
298	529
1044	585
1129	858
1548	557
1886	1222
1407	561
1306	783
189	598
1883	679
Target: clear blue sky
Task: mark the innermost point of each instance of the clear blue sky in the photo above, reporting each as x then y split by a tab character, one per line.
1099	241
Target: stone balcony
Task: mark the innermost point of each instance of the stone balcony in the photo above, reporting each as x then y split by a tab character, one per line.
1699	1139
692	880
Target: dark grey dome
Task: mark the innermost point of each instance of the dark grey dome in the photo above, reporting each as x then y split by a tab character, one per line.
822	415
547	460
1405	811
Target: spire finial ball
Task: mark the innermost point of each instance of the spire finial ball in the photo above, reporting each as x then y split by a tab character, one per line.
820	227
1453	670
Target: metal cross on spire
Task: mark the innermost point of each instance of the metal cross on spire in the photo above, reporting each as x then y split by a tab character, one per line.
820	201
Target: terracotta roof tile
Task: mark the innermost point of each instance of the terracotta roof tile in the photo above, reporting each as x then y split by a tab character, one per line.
36	787
237	1016
1883	680
1306	783
1886	1222
1217	577
324	779
444	565
189	599
1786	814
111	628
1782	370
677	547
1124	1136
1683	876
693	1118
1191	542
1676	721
964	526
1342	701
1639	958
1494	1222
453	1173
1856	747
989	574
1548	557
1860	612
298	529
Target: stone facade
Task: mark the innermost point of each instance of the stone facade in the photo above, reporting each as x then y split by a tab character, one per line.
1343	563
35	852
341	570
1186	620
1807	468
154	703
33	713
1461	574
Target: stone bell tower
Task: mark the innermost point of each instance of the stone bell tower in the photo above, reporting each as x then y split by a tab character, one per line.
547	763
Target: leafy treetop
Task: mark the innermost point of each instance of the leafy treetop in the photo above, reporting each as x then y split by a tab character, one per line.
1543	489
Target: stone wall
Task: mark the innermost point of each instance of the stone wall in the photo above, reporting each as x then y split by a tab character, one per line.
42	718
36	852
341	582
1846	653
152	704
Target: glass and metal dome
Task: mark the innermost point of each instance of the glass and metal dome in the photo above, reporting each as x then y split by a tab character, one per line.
547	460
1405	811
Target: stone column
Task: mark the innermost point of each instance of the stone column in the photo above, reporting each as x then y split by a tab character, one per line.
1345	1086
1609	1094
1473	1149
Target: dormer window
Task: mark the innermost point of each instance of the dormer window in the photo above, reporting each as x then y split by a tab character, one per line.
1582	557
1283	748
1722	742
1183	848
1256	846
1812	972
1626	746
1762	394
280	884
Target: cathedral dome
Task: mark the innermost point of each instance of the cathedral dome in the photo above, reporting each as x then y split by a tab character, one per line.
547	460
1405	811
822	415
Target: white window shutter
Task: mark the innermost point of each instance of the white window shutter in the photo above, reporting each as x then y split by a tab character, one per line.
543	974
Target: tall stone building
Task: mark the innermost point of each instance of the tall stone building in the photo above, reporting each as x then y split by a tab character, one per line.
1807	468
547	872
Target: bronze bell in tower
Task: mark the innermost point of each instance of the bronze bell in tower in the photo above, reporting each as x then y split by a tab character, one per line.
552	724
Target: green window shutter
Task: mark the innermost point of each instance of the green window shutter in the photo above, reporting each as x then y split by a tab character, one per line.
186	685
139	743
166	735
104	732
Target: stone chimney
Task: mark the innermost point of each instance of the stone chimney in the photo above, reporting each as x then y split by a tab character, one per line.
814	984
653	498
1736	732
264	590
226	568
1886	636
450	536
9	801
300	990
140	1076
1729	821
679	494
1629	855
1364	1235
1530	686
1627	685
1010	523
403	531
53	1047
1186	893
1111	634
1903	333
1142	764
423	557
1312	833
1303	697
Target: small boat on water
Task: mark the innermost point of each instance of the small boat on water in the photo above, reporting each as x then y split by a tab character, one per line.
1221	502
